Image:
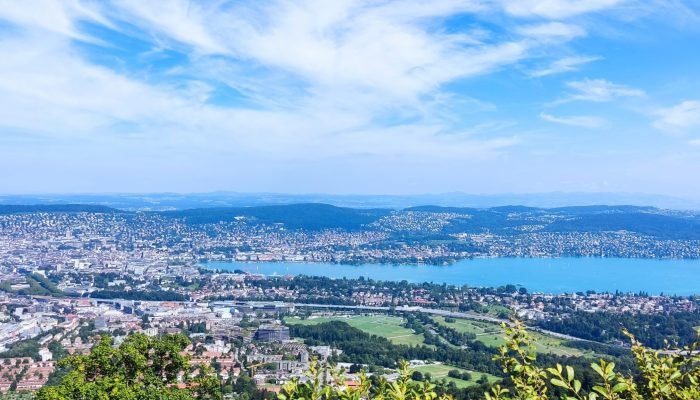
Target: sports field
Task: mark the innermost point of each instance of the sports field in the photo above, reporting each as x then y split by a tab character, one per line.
440	371
386	326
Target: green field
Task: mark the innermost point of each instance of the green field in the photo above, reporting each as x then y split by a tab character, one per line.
491	334
381	325
440	371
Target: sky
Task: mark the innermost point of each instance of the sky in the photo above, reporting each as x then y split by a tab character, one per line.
350	96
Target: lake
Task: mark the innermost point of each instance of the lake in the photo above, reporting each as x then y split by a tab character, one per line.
549	275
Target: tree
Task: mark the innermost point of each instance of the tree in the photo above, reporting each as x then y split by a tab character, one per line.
140	368
58	352
417	376
355	368
244	386
663	376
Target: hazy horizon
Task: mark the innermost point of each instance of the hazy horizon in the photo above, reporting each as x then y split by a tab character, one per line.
172	200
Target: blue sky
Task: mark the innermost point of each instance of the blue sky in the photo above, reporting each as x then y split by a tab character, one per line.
344	96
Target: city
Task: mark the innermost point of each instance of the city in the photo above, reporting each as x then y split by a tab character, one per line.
68	277
349	200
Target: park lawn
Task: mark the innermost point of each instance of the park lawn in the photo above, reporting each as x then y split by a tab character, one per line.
386	326
440	371
491	334
488	333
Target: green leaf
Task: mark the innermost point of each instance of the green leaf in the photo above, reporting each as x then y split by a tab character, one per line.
597	369
559	382
577	386
620	387
570	373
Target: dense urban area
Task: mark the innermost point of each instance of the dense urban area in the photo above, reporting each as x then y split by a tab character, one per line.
69	275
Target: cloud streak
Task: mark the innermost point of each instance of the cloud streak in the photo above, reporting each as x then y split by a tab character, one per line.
582	121
566	64
601	90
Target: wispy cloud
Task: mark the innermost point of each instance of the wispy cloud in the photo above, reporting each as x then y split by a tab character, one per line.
582	121
600	90
347	67
557	8
566	64
57	17
679	118
552	31
183	21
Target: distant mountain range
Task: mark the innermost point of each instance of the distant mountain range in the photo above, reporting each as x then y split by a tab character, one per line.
175	201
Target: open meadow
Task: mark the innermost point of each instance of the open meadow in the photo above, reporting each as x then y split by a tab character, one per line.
440	371
491	334
386	326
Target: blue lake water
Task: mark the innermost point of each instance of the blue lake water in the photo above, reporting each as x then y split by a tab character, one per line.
549	275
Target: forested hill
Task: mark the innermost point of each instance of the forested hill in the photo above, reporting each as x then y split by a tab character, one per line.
427	221
510	220
310	216
56	208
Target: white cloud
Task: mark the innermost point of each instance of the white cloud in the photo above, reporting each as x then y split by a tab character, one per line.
348	45
49	90
181	20
601	90
552	31
556	9
694	142
583	121
561	65
59	17
679	118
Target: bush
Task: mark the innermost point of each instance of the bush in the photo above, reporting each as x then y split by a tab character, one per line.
141	368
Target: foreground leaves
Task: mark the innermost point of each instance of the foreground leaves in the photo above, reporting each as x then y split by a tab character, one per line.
141	368
669	375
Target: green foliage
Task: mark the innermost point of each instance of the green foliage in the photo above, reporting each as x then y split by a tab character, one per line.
148	368
149	295
328	383
652	330
465	376
39	285
671	376
309	216
58	352
141	368
23	348
361	347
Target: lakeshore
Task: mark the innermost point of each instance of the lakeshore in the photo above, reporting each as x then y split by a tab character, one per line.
548	275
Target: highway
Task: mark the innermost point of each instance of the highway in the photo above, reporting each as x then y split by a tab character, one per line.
432	311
